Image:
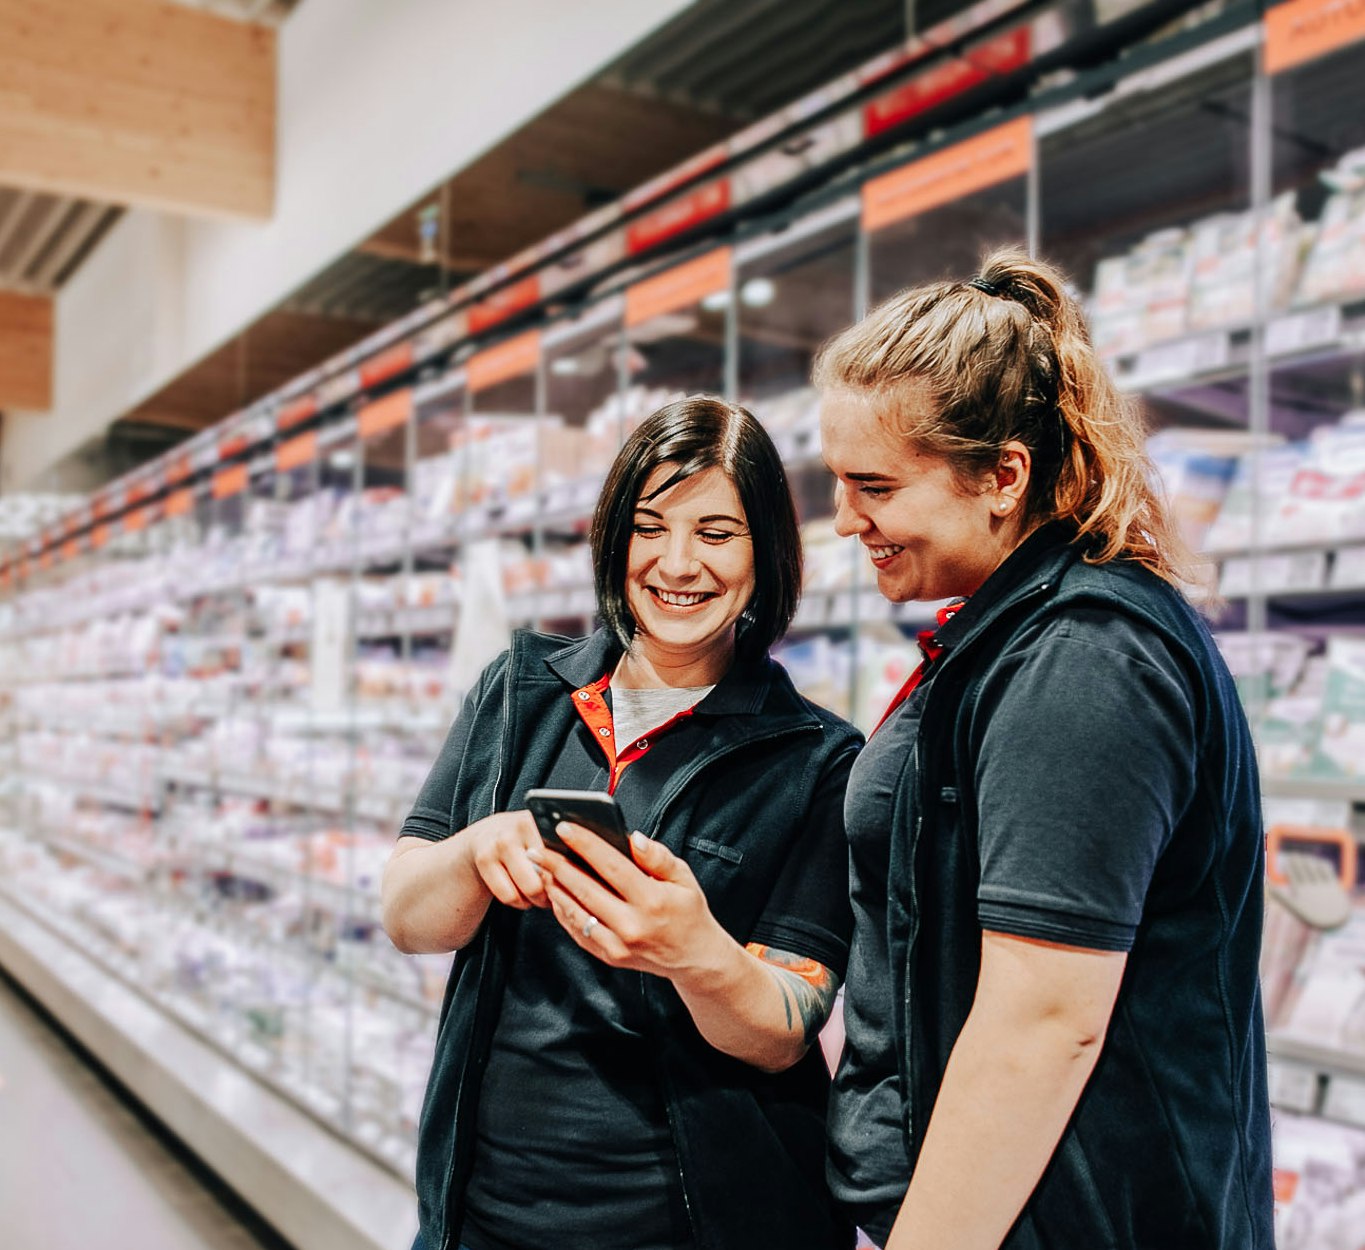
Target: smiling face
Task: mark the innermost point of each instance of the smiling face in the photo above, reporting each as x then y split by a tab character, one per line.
690	573
928	537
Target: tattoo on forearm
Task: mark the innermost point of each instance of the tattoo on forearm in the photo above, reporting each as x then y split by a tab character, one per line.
808	987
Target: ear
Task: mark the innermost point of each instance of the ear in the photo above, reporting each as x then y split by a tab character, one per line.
1007	487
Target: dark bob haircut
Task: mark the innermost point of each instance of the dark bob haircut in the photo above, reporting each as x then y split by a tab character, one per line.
692	435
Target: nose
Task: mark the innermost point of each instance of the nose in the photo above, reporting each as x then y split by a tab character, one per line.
847	519
679	558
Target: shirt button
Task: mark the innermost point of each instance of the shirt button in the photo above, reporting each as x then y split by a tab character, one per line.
643	744
605	732
584	695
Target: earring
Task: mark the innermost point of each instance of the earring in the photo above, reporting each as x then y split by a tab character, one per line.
1003	505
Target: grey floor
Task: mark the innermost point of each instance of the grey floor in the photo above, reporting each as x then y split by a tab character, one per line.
81	1170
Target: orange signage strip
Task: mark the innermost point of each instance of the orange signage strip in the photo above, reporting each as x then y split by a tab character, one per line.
504	303
511	359
386	364
178	470
296	413
385	414
297	452
982	161
180	503
99	536
1304	29
70	549
136	519
230	481
678	287
45	560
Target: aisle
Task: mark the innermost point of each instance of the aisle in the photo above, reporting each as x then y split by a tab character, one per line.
80	1171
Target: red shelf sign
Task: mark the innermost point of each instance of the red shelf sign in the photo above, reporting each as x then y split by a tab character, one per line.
678	215
503	304
297	452
386	365
951	78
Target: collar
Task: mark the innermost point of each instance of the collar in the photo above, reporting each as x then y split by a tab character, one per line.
1033	566
744	690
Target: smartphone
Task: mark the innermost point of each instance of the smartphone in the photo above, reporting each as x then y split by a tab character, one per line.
593	809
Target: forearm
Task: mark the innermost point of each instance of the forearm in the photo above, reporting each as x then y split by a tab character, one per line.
742	1006
432	897
1009	1089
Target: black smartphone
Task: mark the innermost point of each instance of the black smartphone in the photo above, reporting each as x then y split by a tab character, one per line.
593	809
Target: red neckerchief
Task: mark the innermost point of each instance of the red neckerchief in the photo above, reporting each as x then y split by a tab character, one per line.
931	650
592	707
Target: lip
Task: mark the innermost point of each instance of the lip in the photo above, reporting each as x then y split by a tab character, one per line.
890	550
680	609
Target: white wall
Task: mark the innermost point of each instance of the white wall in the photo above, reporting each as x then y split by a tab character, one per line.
378	103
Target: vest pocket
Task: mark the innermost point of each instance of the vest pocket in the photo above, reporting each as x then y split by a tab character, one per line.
717	849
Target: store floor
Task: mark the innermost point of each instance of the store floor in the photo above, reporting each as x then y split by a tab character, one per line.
81	1170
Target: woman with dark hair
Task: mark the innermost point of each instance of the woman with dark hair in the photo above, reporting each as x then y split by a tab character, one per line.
1054	1033
624	1057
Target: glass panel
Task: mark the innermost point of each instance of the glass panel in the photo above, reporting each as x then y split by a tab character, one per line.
948	241
582	432
677	353
795	291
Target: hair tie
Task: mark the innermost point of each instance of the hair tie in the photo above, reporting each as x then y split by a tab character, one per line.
984	284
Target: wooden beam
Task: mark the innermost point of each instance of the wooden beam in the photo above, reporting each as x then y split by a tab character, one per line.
25	352
138	102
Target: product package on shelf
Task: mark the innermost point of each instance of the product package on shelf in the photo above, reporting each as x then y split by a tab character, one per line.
1227	254
1259	482
1319	1183
1335	266
1195	480
1325	498
1326	1005
1141	296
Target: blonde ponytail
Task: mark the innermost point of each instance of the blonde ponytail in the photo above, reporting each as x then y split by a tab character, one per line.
1007	356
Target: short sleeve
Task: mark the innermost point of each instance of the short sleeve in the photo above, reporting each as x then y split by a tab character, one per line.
430	814
808	912
1086	762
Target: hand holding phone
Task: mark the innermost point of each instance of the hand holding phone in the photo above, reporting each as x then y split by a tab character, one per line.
594	810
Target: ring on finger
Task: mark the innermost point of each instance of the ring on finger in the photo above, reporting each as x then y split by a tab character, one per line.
592	923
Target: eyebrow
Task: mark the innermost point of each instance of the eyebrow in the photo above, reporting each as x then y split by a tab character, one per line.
705	520
869	477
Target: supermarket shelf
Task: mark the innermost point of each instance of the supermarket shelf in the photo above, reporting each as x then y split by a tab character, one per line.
99	792
1351	790
1296	336
1328	1061
118	865
319	1192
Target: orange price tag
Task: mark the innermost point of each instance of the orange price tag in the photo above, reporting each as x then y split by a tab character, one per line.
678	287
99	536
386	364
384	414
511	359
70	549
230	481
296	413
972	165
503	304
1304	29
180	503
136	520
297	452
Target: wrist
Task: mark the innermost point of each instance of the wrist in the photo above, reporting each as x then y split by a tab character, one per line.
714	961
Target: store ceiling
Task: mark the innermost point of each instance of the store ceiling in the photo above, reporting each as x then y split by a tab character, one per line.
711	71
45	238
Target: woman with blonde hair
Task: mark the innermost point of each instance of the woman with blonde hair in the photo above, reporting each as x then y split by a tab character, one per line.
1053	1016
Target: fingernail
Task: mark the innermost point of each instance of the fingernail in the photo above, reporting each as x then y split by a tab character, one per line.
562	828
533	854
639	838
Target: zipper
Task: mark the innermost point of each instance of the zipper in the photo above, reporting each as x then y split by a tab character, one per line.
669	1100
487	937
